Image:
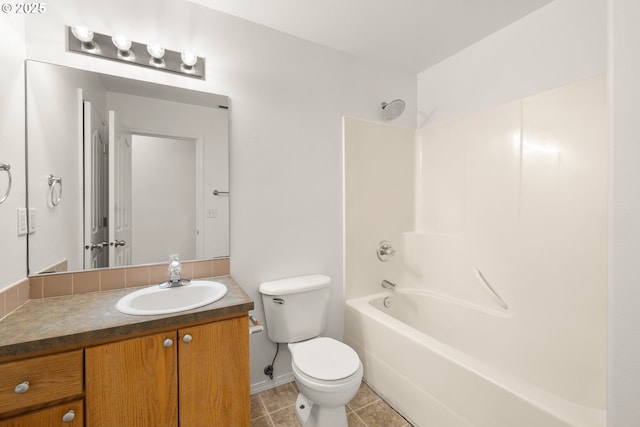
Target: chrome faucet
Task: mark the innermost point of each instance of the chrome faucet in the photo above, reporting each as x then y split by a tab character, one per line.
175	267
385	251
388	285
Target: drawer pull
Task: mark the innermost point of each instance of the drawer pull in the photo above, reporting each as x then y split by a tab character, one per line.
69	416
187	339
22	388
168	342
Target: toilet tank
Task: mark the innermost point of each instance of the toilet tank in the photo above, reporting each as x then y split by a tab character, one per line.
295	309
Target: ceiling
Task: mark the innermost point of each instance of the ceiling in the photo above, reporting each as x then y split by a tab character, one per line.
411	35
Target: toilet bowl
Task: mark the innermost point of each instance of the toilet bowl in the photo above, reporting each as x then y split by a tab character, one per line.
328	374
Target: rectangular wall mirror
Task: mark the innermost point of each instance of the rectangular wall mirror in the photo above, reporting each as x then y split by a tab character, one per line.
123	172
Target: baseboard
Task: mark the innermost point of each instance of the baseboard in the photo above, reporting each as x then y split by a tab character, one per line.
268	384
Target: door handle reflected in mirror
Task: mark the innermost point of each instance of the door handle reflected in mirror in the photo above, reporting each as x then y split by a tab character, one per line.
100	245
118	243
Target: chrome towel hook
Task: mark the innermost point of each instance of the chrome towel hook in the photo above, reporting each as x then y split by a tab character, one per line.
6	167
54	199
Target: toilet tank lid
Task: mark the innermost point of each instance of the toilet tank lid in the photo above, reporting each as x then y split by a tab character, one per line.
294	285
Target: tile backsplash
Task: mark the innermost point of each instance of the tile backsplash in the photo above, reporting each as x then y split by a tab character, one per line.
14	296
58	284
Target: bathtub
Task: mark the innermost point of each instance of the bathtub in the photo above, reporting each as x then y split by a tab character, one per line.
437	376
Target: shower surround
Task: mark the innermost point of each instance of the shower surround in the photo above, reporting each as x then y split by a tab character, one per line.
500	229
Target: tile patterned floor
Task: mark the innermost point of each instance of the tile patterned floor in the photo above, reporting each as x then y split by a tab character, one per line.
276	408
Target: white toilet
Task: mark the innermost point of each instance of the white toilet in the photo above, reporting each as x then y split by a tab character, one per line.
327	372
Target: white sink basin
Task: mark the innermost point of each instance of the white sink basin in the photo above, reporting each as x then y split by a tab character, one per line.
156	300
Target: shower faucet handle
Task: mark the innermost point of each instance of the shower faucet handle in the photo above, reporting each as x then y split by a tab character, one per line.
385	251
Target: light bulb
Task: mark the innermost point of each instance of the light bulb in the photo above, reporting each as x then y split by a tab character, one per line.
121	42
155	50
82	33
123	45
189	58
85	35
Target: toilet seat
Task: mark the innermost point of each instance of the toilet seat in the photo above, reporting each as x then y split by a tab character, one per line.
328	386
325	359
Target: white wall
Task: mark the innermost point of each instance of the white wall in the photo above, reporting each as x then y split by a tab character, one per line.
13	249
560	43
288	97
55	147
624	214
379	196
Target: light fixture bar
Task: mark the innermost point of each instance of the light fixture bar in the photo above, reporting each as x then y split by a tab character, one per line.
172	60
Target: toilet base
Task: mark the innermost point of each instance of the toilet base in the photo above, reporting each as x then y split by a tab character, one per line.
323	416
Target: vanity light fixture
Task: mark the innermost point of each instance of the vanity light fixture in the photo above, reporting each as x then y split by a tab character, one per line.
80	39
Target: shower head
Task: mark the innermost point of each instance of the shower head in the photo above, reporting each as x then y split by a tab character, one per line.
392	110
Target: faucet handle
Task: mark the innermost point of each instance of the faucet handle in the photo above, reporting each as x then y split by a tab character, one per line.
385	251
174	262
174	267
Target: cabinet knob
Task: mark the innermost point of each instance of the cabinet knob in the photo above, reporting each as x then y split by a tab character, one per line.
22	388
187	339
69	416
168	342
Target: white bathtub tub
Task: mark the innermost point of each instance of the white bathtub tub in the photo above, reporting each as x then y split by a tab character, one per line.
424	355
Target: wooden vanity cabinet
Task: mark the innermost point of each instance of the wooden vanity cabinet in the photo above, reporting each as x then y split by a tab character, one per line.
195	376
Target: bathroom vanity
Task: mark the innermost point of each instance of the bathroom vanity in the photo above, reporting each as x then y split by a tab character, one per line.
77	361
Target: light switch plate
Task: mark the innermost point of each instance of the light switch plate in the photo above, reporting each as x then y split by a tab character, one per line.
32	220
22	221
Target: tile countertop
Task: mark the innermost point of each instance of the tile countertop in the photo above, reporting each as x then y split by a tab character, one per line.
73	321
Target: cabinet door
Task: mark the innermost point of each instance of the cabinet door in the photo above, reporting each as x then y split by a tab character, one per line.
133	383
214	374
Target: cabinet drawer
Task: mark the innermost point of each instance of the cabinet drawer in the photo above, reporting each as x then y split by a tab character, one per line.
68	415
49	378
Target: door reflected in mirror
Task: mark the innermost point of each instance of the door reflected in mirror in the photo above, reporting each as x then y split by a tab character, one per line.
139	163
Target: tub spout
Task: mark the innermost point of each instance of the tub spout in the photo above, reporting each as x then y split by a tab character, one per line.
388	285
